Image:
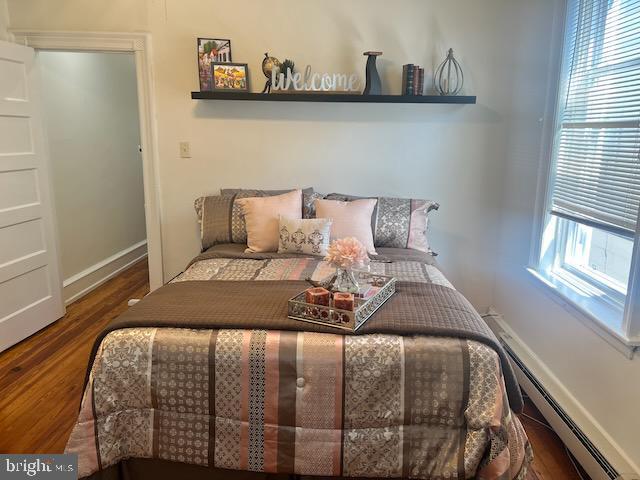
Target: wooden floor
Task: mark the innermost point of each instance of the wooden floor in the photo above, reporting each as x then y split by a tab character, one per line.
41	377
550	459
41	380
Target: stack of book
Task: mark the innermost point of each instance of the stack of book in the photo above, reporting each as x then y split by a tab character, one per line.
412	79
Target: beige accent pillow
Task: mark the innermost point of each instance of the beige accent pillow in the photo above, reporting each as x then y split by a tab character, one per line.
308	236
350	219
262	215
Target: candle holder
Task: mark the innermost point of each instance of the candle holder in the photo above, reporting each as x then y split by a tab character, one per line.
448	79
373	86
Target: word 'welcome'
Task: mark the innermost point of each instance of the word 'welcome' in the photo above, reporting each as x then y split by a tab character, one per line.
315	82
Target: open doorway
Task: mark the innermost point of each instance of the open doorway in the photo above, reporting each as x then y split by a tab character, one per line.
90	110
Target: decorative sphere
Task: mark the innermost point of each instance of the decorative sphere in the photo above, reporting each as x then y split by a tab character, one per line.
268	64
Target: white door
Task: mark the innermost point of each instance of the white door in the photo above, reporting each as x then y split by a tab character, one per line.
30	284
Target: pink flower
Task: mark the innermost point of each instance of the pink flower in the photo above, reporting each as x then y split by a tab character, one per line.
346	253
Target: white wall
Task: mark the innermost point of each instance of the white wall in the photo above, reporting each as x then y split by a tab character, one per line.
91	120
4	21
453	154
601	380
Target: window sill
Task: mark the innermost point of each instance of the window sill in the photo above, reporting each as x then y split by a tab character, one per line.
601	317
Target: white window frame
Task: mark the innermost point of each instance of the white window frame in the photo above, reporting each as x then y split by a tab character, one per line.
595	313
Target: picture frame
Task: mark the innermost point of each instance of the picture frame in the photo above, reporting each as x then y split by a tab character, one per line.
209	50
230	77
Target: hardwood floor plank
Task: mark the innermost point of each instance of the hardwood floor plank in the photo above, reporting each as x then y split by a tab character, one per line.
41	380
42	377
551	460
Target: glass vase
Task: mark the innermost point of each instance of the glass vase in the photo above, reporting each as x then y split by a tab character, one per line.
346	281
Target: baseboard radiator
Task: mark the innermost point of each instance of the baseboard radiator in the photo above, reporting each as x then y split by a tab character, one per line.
608	470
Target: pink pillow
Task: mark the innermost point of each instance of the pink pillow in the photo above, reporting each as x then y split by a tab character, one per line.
262	216
350	219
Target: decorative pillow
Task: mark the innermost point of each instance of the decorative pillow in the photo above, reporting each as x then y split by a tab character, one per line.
214	216
398	222
238	226
308	236
309	203
351	198
262	216
350	219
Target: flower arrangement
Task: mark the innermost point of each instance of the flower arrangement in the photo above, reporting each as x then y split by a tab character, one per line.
346	253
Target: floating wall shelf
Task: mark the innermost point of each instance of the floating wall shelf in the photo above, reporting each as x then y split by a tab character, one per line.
331	97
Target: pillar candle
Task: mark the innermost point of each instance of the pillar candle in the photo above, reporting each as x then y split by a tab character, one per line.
343	300
317	296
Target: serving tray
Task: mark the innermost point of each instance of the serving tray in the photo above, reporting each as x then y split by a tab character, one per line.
365	307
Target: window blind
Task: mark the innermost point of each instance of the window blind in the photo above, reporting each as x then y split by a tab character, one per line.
597	147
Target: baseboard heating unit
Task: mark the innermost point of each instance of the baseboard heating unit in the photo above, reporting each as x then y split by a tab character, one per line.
606	467
590	457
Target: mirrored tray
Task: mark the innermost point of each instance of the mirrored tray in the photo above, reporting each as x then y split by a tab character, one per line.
376	289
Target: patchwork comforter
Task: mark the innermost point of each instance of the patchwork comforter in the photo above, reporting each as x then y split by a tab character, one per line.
294	401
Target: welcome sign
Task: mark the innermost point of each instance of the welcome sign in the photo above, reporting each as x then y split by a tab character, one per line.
315	82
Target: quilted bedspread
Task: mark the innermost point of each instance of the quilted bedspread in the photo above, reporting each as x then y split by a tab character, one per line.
308	403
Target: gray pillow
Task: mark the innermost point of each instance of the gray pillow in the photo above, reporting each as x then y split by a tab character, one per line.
214	216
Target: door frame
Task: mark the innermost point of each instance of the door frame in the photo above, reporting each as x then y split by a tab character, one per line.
140	45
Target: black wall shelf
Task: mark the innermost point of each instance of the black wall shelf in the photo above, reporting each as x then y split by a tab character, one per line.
332	97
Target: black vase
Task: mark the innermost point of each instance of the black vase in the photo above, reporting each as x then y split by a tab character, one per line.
373	85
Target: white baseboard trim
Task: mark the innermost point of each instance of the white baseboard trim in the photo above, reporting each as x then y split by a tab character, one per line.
569	403
82	283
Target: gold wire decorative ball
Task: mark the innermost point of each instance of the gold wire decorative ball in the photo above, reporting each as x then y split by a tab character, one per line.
268	65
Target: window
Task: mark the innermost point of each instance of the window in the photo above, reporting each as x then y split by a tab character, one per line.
600	256
589	247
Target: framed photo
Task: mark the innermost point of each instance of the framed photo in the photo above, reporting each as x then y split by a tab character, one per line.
230	77
211	50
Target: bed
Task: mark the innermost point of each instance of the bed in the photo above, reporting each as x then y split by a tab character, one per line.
207	378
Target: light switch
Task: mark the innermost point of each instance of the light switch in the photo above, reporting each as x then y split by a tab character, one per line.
185	150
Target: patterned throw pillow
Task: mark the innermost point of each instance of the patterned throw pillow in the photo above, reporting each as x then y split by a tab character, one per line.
306	236
398	222
309	204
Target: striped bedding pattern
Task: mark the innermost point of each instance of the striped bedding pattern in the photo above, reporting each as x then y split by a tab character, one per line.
305	403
